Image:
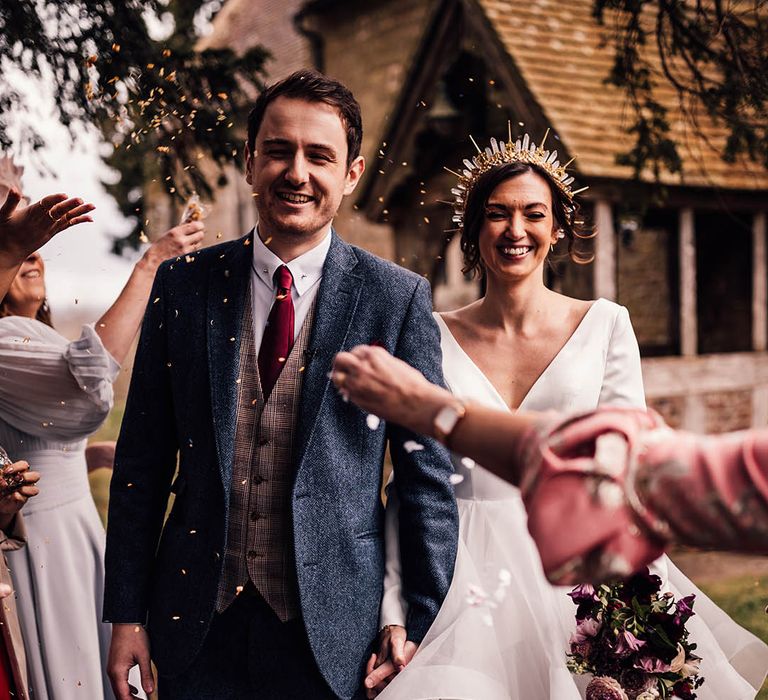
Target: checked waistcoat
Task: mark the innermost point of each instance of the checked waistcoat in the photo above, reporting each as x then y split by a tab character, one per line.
260	531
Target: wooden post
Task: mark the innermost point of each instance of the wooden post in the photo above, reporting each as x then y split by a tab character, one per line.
759	285
688	319
604	270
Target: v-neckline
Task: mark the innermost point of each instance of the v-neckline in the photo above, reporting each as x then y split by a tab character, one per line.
444	325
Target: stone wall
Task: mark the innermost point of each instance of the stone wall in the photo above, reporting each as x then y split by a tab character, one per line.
371	52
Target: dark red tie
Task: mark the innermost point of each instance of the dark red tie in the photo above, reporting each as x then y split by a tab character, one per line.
278	335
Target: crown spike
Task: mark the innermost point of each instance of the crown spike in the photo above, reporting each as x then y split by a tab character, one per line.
522	150
586	187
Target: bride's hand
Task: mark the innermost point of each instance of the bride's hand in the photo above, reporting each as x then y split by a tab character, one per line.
389	388
394	653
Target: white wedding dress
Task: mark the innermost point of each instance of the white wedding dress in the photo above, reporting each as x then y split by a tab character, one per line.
502	632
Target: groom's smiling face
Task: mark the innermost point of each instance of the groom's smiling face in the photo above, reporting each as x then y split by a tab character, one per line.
298	170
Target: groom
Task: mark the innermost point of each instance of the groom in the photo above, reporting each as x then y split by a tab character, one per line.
266	579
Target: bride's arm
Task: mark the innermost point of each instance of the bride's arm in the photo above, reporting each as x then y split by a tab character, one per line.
394	608
623	377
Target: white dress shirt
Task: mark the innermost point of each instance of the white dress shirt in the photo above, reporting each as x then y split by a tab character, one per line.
307	271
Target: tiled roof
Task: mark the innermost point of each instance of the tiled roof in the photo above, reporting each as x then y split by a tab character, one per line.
560	52
242	24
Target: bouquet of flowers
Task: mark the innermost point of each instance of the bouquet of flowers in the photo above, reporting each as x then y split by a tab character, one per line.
632	638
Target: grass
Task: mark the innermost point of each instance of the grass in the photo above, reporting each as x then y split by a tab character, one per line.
110	429
744	599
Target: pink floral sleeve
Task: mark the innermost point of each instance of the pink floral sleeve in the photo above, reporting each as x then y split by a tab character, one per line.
606	491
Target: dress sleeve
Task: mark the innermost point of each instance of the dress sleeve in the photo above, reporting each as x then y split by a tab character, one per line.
52	388
623	377
393	606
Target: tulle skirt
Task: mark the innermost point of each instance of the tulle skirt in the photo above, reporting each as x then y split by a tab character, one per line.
502	632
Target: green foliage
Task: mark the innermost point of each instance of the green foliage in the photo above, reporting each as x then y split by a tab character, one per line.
162	104
744	599
714	54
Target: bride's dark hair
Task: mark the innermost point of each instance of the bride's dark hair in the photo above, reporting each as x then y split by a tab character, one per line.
565	213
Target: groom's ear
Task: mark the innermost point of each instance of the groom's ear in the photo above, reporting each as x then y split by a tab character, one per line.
354	174
248	164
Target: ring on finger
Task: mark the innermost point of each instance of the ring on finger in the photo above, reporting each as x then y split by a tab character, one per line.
50	216
339	377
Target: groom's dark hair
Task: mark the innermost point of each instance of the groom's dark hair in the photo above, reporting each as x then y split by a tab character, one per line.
312	86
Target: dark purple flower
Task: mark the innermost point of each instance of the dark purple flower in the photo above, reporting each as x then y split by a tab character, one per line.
641	586
634	681
584	593
581	650
683	690
684	609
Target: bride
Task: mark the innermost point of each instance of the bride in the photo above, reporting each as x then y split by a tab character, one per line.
503	630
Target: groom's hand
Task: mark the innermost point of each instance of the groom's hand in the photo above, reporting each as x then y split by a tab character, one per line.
130	646
394	654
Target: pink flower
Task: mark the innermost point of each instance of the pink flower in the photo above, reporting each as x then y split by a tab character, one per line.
585	630
605	688
627	643
651	664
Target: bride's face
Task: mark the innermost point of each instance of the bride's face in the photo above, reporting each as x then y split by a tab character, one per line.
518	228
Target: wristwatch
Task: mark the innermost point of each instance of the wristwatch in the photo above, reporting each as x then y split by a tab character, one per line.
446	420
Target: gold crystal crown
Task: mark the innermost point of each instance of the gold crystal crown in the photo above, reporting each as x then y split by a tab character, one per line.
522	150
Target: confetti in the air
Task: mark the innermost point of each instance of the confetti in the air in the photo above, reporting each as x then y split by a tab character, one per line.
412	446
372	421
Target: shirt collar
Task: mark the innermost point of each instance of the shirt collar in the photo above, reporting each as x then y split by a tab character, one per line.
306	269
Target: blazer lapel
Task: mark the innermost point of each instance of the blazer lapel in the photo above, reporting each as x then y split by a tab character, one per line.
337	301
228	292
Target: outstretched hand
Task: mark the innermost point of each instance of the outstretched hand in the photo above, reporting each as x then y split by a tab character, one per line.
179	241
25	229
393	655
17	486
388	387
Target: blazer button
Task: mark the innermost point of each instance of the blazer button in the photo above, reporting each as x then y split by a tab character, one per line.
263	441
255	516
252	554
258	479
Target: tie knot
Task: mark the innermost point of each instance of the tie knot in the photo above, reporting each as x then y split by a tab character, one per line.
283	278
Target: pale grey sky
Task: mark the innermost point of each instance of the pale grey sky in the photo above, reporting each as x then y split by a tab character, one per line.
80	269
79	265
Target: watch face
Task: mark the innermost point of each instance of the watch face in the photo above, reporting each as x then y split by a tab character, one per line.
446	419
